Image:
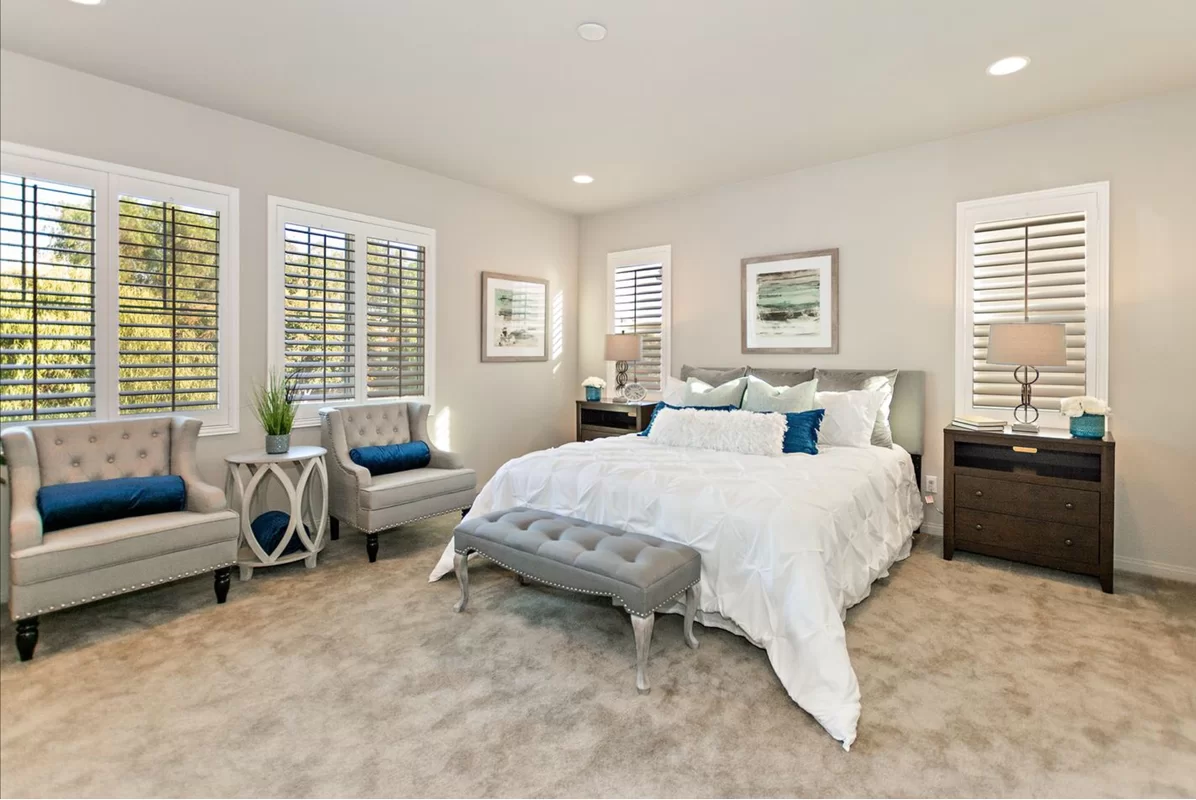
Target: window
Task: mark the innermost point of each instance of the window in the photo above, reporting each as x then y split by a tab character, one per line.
116	292
1037	257
351	306
638	301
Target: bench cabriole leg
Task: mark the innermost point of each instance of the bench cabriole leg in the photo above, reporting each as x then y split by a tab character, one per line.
461	567
691	608
643	643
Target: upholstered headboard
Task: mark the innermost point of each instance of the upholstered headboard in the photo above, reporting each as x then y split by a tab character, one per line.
908	413
906	416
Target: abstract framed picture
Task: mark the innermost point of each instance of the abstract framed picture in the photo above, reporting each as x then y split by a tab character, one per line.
514	318
791	303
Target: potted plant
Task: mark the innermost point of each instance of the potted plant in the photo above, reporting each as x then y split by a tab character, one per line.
1087	415
274	406
594	387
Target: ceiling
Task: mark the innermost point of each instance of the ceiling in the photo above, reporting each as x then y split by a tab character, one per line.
682	94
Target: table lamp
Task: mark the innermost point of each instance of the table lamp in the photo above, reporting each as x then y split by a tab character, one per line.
622	348
1027	346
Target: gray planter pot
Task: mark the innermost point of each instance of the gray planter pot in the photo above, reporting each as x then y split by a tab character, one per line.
279	444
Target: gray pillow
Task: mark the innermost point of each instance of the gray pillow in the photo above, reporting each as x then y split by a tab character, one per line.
846	380
761	396
715	376
701	394
782	377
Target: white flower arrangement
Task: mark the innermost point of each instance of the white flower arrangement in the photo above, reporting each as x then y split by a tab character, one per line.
1078	406
594	383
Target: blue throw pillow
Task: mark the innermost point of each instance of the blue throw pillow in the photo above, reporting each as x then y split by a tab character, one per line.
66	505
801	434
269	528
663	404
384	459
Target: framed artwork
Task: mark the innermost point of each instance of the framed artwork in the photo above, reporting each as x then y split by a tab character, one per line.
791	303
514	318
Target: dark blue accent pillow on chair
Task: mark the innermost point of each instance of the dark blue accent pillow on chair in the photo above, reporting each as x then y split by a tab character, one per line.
268	529
67	505
801	434
384	459
663	404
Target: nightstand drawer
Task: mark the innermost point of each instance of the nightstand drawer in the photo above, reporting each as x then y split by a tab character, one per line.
1073	506
1050	539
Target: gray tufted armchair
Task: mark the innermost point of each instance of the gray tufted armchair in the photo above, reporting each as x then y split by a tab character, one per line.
373	503
68	567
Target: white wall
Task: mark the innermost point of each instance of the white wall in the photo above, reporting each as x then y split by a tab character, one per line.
892	216
495	411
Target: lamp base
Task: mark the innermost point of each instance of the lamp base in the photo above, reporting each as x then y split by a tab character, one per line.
1023	427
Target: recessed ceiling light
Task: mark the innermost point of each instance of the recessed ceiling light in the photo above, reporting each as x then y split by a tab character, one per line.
1008	66
591	31
582	179
88	2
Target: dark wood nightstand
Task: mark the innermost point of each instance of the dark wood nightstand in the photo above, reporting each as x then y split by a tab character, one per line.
599	418
1044	499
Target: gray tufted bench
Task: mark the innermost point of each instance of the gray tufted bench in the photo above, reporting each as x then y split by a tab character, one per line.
641	573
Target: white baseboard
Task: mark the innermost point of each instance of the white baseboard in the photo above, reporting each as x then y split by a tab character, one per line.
1140	566
1155	569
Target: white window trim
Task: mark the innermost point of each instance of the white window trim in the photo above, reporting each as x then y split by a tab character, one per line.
1093	199
108	178
658	254
281	211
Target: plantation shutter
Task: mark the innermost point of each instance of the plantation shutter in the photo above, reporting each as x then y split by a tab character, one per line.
395	316
318	311
1053	250
47	300
639	308
168	351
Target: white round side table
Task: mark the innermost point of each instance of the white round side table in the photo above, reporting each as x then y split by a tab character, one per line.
249	473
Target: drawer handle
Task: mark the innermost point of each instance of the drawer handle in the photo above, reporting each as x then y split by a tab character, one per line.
979	527
979	493
1030	450
1068	506
1067	542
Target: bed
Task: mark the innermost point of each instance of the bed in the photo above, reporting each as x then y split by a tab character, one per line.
788	543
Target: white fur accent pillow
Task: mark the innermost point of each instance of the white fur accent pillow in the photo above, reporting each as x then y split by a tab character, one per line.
731	431
850	417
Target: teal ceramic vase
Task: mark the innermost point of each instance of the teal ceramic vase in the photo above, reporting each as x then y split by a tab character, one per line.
593	394
1088	426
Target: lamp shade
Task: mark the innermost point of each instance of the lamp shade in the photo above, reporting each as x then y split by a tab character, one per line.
624	347
1034	344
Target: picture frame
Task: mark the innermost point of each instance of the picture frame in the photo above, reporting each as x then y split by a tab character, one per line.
790	303
514	318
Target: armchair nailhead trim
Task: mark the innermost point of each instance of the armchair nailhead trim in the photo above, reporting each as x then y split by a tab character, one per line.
125	590
574	588
408	522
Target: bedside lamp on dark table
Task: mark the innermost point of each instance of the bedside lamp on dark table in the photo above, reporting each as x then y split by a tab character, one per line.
621	348
1026	346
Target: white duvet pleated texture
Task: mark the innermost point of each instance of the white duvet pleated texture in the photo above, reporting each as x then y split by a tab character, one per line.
788	543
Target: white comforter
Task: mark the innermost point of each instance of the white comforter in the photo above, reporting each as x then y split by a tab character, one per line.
788	543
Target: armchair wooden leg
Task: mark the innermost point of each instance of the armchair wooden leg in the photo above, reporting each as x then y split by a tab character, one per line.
223	577
334	528
26	637
465	511
371	546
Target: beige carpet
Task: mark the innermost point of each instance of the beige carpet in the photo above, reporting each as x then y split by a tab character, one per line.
978	678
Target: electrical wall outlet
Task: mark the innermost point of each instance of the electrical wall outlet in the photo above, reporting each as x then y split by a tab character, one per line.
932	484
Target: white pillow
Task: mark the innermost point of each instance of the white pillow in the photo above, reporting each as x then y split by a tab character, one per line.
762	396
700	393
731	431
673	392
850	417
